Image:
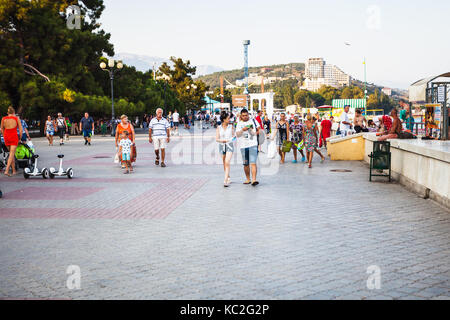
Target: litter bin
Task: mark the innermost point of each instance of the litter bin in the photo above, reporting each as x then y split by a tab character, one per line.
380	159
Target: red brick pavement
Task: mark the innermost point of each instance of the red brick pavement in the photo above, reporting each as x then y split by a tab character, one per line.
164	196
50	193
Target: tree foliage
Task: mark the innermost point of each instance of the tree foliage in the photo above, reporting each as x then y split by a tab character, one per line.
46	67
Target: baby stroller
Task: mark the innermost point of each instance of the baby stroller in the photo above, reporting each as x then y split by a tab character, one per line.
5	154
25	156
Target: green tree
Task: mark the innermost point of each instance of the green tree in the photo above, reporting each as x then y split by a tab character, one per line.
190	93
302	98
329	93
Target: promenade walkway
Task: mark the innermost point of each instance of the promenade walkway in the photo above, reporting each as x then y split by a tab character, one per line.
177	233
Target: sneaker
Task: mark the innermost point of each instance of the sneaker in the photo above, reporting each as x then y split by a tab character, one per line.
294	161
85	142
303	159
89	143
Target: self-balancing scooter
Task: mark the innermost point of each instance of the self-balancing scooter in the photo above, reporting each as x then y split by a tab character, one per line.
61	172
27	172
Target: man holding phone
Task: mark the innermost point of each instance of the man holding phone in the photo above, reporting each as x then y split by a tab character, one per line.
247	136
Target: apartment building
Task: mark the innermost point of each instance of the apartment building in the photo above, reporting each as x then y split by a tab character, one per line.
318	73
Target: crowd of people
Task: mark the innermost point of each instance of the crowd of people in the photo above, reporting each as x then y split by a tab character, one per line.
303	135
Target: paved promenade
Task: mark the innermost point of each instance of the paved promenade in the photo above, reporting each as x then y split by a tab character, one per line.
177	233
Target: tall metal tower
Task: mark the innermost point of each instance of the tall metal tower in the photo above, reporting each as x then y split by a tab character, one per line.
246	44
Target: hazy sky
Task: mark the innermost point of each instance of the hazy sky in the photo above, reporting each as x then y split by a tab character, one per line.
402	41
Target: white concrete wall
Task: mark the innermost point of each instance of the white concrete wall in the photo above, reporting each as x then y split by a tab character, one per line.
425	171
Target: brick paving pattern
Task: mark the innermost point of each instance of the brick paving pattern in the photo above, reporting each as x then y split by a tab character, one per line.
176	233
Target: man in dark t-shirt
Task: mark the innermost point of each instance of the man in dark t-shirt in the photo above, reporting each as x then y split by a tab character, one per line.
87	127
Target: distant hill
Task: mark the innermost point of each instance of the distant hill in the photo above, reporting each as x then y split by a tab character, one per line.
278	70
144	63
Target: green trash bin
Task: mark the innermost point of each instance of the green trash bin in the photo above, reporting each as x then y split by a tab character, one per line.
380	159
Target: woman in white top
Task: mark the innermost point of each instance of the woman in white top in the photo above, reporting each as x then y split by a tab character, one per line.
224	136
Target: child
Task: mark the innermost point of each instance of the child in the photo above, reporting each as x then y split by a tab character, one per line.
125	149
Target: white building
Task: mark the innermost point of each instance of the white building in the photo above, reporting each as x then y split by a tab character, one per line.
387	91
318	73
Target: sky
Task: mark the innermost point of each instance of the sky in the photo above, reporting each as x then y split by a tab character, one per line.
402	41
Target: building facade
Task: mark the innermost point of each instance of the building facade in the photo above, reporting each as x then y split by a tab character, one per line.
318	73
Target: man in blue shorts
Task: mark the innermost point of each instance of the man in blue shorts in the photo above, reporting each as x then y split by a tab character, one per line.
87	127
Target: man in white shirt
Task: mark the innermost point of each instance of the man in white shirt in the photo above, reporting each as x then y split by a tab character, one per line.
346	125
247	136
176	121
159	134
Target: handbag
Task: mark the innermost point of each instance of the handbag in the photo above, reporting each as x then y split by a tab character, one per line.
271	150
116	157
300	146
287	146
133	149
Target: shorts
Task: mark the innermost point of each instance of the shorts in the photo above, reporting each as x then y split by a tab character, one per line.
87	133
176	124
61	132
159	142
50	133
24	137
225	147
249	155
126	156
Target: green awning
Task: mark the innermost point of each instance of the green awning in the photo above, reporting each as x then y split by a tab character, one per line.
353	103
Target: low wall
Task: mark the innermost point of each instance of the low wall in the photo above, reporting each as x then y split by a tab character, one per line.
421	166
346	148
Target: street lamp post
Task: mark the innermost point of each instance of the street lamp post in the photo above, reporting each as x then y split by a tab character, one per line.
111	69
192	86
365	88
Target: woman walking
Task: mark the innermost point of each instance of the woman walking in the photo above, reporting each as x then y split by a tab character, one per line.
310	138
296	129
62	128
316	128
125	125
224	136
50	130
9	126
282	128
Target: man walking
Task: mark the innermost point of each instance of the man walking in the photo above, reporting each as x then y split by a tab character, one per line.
176	122
87	127
159	134
346	125
247	135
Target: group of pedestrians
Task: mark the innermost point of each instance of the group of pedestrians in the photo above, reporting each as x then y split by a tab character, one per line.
246	134
297	136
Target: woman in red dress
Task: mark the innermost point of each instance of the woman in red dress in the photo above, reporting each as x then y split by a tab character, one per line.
9	126
326	131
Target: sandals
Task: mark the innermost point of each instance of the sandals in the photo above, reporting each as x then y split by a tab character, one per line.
255	183
157	161
247	182
163	165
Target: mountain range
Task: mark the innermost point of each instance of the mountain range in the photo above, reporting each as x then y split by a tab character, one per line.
144	63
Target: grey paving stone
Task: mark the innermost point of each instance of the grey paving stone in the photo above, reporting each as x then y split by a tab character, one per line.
301	234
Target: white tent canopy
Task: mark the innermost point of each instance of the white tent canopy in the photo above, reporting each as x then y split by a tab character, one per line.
418	90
